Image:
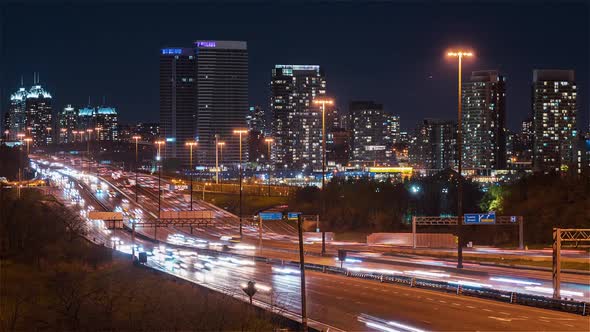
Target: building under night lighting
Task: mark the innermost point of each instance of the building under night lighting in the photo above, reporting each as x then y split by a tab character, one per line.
297	122
554	119
68	123
484	117
16	117
203	94
177	100
39	115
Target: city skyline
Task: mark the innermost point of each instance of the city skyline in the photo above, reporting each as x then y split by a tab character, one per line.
414	69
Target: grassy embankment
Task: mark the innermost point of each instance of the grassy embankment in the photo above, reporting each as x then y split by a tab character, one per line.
52	278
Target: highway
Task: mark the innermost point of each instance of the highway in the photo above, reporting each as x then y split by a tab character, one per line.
334	300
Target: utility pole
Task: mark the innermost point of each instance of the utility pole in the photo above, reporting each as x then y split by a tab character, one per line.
302	268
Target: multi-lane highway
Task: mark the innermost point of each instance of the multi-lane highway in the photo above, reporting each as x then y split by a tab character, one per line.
334	300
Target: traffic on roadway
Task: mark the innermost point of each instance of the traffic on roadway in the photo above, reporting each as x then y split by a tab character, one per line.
334	301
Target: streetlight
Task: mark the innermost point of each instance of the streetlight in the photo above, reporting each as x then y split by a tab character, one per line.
136	138
48	135
28	140
204	186
63	134
98	129
323	102
30	129
269	141
240	132
89	131
190	146
459	55
158	160
218	161
6	132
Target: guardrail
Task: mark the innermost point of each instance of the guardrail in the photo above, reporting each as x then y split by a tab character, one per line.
571	306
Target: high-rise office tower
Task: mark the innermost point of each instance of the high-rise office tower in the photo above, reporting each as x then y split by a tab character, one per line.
370	132
16	116
203	95
435	145
39	115
68	123
177	101
107	121
484	117
222	98
554	119
297	122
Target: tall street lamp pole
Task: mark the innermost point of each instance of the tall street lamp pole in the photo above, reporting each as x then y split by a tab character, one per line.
216	159
190	146
269	141
159	161
240	132
28	140
459	55
323	102
136	138
220	145
89	131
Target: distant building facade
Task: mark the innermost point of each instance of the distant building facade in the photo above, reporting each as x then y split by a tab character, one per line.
297	122
39	116
68	123
177	101
203	97
554	120
107	124
15	118
435	145
484	117
256	119
370	133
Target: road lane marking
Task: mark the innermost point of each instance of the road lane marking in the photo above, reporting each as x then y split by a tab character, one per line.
503	313
470	307
441	301
455	303
557	318
504	319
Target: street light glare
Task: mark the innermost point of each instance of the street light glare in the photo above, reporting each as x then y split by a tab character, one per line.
240	131
460	54
325	101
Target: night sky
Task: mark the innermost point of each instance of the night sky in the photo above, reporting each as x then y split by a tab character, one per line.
392	53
